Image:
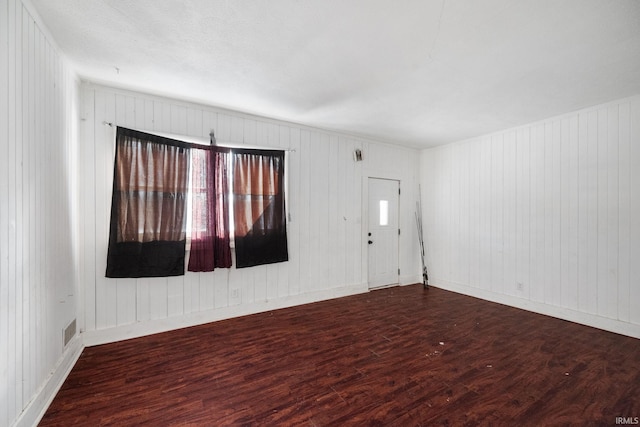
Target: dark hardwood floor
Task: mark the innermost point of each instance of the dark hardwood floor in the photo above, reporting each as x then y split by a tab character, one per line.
394	357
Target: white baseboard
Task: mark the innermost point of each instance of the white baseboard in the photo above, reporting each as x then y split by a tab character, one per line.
410	280
588	319
36	409
119	333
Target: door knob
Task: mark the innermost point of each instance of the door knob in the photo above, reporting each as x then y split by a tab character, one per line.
370	242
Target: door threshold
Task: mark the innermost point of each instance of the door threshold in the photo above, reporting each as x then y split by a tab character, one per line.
375	288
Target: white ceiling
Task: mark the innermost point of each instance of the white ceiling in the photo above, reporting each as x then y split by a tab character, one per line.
413	72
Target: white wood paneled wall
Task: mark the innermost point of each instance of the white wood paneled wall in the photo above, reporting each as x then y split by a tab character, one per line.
545	216
389	162
324	202
38	205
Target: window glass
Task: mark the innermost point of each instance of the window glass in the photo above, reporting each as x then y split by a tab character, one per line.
384	212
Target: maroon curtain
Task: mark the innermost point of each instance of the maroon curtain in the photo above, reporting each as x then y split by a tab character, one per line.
210	243
258	207
148	209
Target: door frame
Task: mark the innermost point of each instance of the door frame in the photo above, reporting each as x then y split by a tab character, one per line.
365	221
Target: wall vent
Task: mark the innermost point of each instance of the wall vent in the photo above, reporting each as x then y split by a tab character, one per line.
69	332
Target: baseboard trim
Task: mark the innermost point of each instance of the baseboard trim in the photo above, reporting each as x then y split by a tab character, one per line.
38	406
120	333
410	280
36	409
588	319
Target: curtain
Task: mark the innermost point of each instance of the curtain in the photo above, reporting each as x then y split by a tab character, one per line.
210	243
148	208
259	209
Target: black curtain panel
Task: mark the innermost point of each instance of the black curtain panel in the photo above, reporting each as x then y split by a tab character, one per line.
148	208
259	208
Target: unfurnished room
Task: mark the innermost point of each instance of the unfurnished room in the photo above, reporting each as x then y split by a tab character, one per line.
319	213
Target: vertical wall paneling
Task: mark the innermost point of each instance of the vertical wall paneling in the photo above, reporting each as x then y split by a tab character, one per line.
344	160
324	197
26	173
497	213
484	250
538	264
464	217
474	215
624	231
556	209
38	207
105	149
304	210
523	212
42	311
602	260
581	218
16	12
613	220
86	210
444	246
33	223
315	206
634	209
509	220
335	274
356	242
457	185
570	220
12	211
454	209
556	219
324	203
591	289
38	257
549	200
294	194
349	218
6	414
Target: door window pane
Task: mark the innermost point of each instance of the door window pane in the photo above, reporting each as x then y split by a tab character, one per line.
384	212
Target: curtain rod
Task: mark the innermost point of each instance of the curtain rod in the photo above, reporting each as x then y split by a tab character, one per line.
211	135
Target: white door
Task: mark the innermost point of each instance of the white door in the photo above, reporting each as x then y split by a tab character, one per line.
384	196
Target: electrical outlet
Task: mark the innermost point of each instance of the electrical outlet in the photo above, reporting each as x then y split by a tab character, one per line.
519	286
235	293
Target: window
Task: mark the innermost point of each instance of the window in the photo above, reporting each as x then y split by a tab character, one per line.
148	207
210	235
258	207
384	212
157	178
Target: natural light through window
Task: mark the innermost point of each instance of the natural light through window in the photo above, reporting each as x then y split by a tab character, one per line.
384	212
190	206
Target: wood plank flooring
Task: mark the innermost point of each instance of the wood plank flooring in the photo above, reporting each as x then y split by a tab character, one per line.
393	357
